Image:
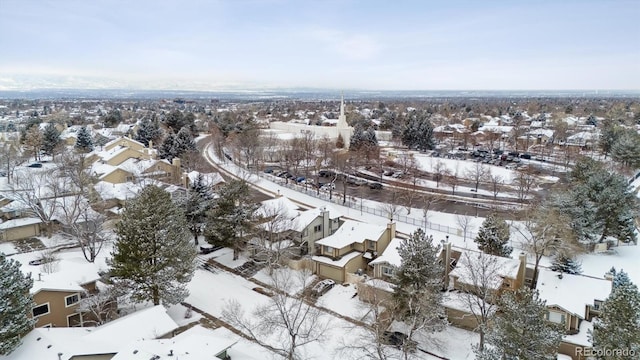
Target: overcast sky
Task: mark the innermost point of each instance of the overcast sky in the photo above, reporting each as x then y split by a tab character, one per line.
348	44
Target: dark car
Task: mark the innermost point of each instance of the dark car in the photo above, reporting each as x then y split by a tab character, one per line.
300	179
326	173
375	185
398	340
39	261
35	165
525	156
268	170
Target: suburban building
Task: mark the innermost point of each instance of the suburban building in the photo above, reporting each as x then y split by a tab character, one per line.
351	248
573	301
20	228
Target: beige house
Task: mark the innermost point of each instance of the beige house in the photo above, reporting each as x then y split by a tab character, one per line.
56	296
573	301
20	228
351	248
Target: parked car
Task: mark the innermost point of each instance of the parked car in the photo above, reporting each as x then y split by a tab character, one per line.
300	179
398	174
375	185
322	287
511	166
39	261
387	173
268	170
361	182
35	165
398	340
328	186
525	156
281	174
326	173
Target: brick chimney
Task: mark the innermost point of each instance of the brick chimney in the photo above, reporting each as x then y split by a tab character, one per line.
177	169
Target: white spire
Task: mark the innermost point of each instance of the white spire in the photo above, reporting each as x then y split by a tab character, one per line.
342	105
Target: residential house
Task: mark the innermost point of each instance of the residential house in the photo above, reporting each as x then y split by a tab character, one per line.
379	288
573	301
97	343
351	248
214	180
461	279
56	296
284	220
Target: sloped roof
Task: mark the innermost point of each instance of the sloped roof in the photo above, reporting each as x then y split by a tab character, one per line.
390	255
573	292
353	232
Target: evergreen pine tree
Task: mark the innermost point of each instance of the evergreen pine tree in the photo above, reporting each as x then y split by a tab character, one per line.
418	292
520	330
84	142
195	204
618	326
15	304
50	139
418	133
184	142
153	258
493	236
231	218
148	130
175	120
566	264
168	148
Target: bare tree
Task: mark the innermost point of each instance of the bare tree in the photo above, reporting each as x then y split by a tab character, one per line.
369	341
523	183
454	180
439	171
477	174
38	190
273	243
33	139
544	230
411	169
285	324
391	207
10	157
429	200
49	262
464	221
100	307
479	291
496	182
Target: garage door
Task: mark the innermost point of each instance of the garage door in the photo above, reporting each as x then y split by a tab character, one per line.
331	273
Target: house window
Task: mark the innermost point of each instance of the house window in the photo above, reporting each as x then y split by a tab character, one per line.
74	320
387	270
596	305
71	299
327	250
40	310
317	228
556	317
371	245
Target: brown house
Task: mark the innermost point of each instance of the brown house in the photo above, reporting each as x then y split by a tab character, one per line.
57	295
351	248
573	301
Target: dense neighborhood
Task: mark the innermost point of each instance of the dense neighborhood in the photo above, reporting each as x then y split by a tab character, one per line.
448	228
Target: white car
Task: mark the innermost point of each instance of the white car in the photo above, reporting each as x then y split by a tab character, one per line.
322	287
328	186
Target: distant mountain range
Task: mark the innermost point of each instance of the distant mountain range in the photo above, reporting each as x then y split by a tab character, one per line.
301	94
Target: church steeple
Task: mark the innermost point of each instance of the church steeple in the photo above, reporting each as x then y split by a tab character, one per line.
342	119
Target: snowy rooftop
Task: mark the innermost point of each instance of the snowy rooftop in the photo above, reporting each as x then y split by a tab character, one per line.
19	222
278	206
210	179
390	255
307	216
149	323
353	232
582	337
47	343
338	263
470	260
464	302
122	191
194	344
572	292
